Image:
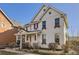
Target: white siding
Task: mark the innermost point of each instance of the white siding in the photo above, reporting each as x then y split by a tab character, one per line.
50	30
40	14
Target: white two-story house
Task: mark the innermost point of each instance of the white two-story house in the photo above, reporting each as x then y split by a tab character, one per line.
48	26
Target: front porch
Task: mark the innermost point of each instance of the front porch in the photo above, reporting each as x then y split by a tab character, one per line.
29	37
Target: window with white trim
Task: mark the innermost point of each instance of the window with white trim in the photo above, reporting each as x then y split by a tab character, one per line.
57	39
43	38
43	24
35	25
57	22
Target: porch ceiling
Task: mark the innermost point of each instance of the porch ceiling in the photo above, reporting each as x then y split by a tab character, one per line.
33	32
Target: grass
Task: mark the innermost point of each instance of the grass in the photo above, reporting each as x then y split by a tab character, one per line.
7	53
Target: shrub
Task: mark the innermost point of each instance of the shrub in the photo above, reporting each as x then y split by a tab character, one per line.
12	45
66	47
26	45
35	45
18	42
58	47
35	51
2	46
52	46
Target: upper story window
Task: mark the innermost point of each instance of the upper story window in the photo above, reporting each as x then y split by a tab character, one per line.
57	22
43	38
44	25
35	25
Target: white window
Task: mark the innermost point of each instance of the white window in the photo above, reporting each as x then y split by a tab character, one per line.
57	39
35	25
43	38
57	22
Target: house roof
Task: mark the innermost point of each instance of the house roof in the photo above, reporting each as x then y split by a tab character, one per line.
12	22
53	8
35	16
38	13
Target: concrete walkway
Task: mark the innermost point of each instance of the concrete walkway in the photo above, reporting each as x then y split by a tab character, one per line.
18	52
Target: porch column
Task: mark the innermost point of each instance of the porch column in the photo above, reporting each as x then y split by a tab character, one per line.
20	41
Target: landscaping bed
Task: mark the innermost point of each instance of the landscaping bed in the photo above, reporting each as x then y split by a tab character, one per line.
43	52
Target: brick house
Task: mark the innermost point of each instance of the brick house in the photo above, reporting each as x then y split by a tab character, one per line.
8	28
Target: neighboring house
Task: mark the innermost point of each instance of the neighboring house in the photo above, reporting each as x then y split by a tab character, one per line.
7	29
48	26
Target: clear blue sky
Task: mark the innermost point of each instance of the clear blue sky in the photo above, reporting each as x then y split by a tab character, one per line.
24	13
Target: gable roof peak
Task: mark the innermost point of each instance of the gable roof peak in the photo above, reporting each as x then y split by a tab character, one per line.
5	15
52	7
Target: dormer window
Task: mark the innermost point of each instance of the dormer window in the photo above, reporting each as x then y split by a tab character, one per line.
57	22
35	25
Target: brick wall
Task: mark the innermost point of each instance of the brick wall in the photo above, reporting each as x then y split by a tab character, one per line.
8	36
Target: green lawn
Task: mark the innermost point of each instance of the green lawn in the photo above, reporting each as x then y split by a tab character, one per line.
7	53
